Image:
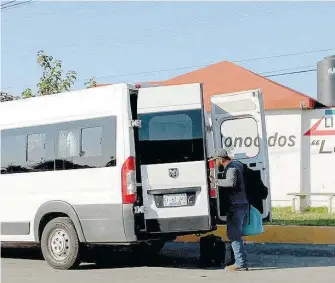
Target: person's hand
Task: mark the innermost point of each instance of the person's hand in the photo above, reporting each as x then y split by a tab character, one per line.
211	178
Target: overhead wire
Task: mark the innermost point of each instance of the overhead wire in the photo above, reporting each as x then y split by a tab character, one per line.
182	68
204	65
127	35
15	5
148	31
44	13
7	3
85	5
130	74
291	73
288	69
236	61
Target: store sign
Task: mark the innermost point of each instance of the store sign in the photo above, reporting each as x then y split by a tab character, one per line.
275	140
322	131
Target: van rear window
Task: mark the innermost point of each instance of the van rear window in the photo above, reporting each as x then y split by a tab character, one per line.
169	137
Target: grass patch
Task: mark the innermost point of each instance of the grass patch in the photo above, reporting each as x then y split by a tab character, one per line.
314	216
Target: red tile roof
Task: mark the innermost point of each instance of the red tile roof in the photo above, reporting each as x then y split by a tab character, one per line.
226	77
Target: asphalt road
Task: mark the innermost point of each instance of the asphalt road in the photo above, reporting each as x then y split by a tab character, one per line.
179	263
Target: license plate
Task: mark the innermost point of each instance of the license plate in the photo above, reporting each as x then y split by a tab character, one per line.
175	200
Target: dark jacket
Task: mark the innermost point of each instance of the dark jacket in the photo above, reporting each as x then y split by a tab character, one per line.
232	183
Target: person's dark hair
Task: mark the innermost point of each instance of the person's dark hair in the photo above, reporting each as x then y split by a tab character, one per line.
227	158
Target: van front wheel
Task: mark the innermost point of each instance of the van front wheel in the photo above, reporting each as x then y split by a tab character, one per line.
60	244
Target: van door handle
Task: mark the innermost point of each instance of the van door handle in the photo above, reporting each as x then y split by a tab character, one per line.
253	164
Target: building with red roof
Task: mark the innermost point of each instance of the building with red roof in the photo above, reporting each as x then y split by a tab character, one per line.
289	115
227	77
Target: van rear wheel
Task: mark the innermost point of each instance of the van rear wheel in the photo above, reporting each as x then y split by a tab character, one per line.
60	244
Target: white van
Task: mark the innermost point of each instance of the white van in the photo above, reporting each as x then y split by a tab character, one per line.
117	165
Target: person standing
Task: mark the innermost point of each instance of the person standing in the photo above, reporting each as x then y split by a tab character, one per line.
238	206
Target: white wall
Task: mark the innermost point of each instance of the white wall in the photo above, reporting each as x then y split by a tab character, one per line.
302	163
318	154
284	144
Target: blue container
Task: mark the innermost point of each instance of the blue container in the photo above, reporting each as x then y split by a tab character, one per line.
253	224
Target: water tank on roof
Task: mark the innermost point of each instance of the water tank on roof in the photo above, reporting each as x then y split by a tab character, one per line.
326	81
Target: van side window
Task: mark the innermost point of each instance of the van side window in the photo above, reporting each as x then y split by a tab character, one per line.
68	143
36	147
91	139
89	143
13	154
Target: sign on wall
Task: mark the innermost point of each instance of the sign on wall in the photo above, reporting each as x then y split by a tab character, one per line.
321	132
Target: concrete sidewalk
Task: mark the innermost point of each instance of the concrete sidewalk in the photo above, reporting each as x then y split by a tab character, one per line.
280	234
179	262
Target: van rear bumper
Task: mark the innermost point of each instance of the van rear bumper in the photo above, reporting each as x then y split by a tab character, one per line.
178	225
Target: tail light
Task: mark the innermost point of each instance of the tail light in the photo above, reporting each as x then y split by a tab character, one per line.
212	188
128	179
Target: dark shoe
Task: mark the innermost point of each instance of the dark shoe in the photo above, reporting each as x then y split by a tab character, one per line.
234	267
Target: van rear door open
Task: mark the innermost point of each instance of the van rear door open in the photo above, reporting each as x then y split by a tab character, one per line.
238	125
172	157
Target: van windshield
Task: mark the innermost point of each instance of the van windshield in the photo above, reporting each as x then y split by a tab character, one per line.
168	137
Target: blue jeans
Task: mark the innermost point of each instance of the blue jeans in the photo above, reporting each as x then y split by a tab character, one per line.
235	220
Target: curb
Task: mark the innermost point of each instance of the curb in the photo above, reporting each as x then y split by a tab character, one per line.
279	234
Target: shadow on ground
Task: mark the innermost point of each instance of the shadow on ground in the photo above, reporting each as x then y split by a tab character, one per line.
186	256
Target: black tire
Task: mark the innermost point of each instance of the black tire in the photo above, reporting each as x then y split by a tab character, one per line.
63	251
